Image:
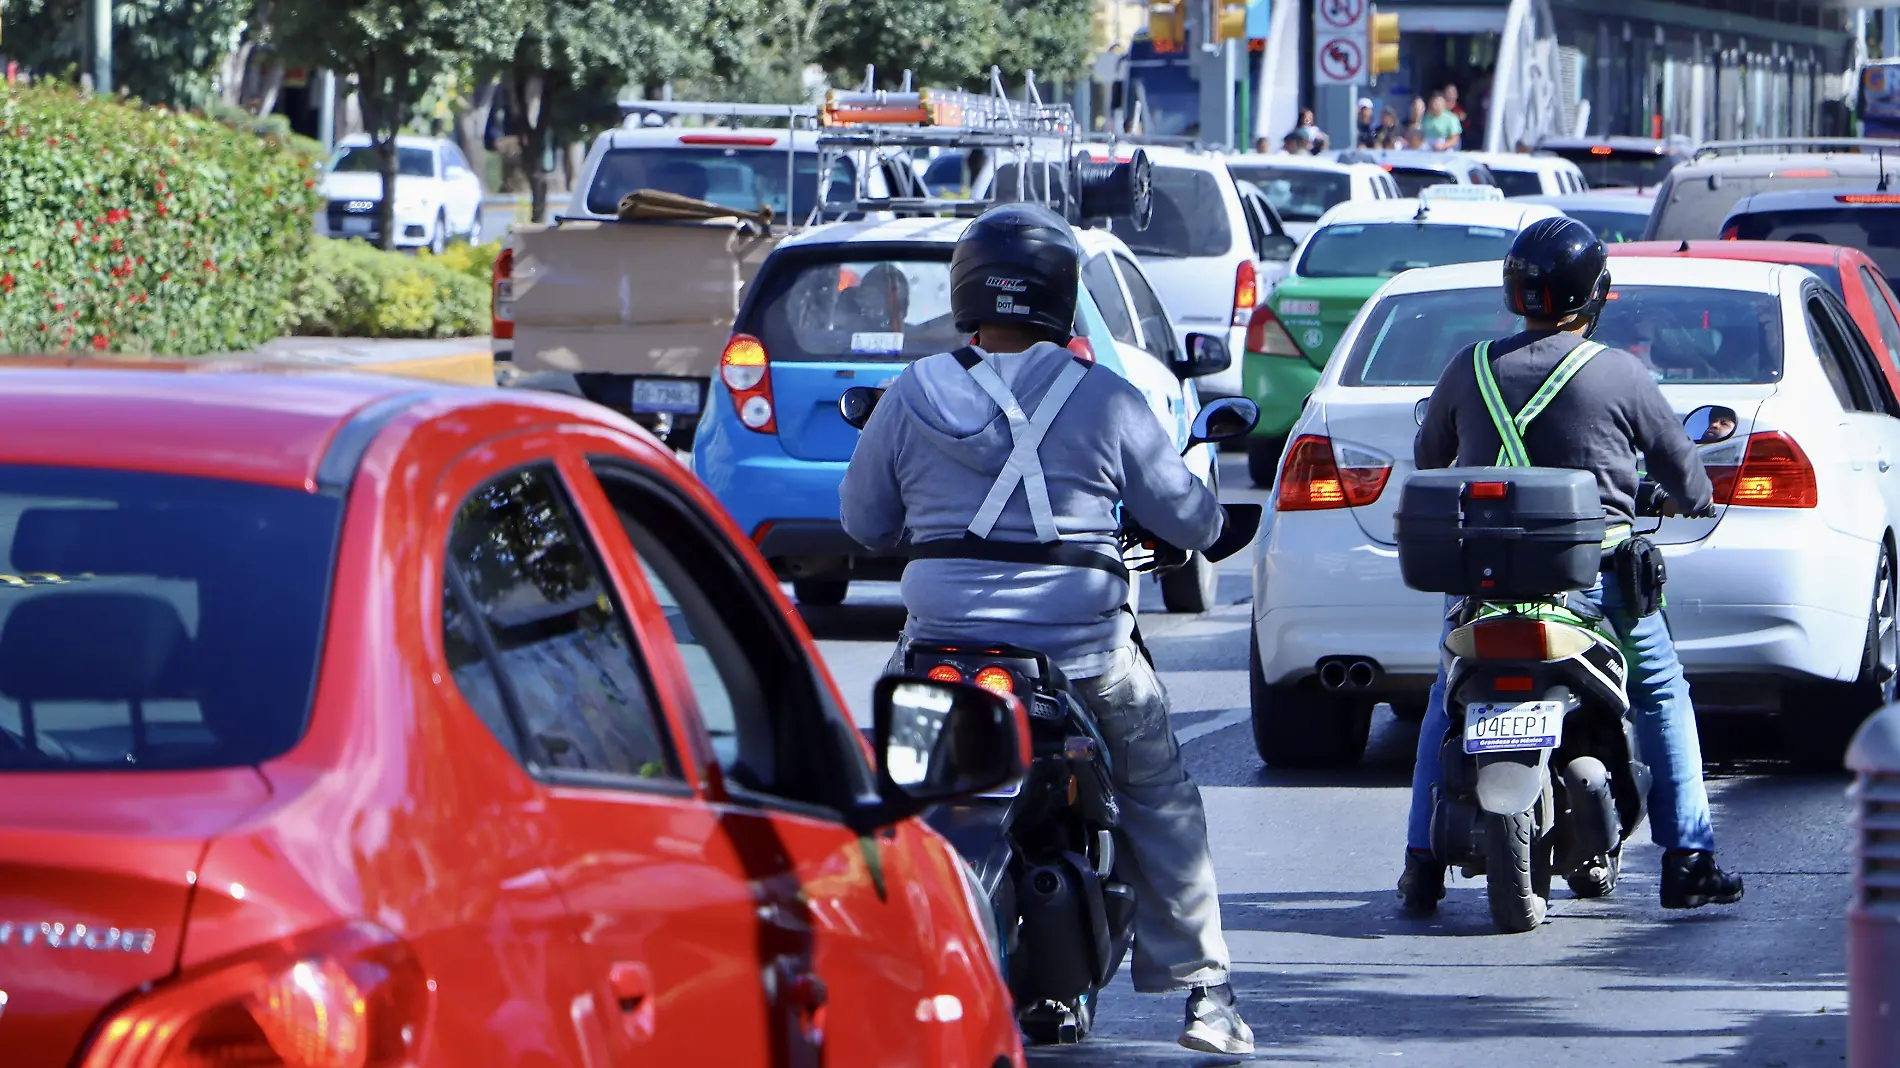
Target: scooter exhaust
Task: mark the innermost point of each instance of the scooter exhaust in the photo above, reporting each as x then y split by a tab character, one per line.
1347	673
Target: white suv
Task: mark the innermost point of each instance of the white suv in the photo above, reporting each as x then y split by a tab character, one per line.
1303	188
438	195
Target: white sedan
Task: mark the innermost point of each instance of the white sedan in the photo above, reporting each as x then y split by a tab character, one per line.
1784	598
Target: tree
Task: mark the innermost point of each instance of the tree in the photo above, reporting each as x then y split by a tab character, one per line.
942	42
164	51
393	50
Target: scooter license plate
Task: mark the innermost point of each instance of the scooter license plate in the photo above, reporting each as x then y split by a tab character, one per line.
1521	725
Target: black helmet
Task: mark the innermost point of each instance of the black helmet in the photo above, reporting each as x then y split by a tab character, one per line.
1019	264
1556	268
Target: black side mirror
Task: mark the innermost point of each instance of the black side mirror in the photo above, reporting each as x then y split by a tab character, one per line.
939	741
1220	420
1277	247
1710	424
1206	355
858	403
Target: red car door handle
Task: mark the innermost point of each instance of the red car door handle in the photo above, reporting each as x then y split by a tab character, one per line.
632	986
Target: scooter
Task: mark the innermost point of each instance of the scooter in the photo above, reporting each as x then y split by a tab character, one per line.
1542	770
1044	854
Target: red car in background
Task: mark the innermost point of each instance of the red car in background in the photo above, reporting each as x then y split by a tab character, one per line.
364	723
1851	273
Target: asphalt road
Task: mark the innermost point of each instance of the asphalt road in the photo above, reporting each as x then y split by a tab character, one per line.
1330	974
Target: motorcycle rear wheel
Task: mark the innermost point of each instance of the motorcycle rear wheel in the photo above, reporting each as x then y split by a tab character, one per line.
1516	872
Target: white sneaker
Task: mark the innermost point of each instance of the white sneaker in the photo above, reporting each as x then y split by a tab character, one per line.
1214	1024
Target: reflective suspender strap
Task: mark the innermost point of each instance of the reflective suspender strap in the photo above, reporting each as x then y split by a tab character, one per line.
1511	428
1024	466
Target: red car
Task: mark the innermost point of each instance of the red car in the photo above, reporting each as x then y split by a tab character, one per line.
357	723
1848	271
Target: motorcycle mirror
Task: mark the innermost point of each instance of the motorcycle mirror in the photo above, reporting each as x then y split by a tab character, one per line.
1220	420
1418	410
937	741
857	404
1710	424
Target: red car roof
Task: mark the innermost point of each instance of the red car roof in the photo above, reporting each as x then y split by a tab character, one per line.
171	417
1796	252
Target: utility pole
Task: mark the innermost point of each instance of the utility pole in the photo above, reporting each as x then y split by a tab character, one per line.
326	109
101	46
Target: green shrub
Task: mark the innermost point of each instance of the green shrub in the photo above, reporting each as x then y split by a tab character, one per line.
137	229
352	289
476	261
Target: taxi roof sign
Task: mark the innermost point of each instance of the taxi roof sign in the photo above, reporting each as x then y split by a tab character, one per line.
1470	194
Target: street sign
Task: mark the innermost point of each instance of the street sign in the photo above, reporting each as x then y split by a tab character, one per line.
1339	42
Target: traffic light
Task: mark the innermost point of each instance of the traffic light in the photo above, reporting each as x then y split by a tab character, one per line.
1382	42
1232	21
1166	27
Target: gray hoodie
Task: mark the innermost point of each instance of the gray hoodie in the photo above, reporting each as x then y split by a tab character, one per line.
934	447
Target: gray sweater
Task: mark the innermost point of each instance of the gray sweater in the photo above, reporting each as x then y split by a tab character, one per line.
935	445
1610	412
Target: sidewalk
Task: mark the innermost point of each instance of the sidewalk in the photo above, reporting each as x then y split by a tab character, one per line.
462	361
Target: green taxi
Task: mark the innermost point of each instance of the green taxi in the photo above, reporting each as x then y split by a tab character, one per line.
1351	252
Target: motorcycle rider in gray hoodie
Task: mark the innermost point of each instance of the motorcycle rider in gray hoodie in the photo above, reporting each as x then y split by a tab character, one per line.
1006	461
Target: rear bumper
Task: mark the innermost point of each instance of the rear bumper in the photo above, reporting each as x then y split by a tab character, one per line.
1764	595
1280	386
819	548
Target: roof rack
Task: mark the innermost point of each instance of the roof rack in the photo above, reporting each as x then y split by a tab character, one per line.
1717	148
1037	136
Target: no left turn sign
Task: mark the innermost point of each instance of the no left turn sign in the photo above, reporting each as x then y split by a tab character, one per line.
1341	60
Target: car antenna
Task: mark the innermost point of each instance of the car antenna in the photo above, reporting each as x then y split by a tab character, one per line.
1685	245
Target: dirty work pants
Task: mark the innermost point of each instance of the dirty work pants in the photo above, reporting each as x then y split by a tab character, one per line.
1665	733
1163	851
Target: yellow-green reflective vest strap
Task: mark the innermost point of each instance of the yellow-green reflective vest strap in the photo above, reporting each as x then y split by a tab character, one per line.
1511	444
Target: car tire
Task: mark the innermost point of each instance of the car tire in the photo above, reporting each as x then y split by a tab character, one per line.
1302	725
1263	460
821	593
474	235
1192	589
439	235
1819	718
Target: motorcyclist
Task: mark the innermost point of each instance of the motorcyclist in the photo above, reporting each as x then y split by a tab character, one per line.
1005	461
1606	409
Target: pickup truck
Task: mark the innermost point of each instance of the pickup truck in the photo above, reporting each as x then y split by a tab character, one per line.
633	312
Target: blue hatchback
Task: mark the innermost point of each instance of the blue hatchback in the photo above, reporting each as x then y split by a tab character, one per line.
838	306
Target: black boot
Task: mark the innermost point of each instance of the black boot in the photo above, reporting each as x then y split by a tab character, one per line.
1691	880
1422	886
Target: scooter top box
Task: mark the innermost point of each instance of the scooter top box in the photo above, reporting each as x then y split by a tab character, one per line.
1500	532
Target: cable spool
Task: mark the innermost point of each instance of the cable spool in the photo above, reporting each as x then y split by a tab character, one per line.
1117	189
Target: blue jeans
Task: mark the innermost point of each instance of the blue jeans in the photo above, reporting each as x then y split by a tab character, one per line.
1665	734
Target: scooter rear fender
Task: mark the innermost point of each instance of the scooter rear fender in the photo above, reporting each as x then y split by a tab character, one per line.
1511	782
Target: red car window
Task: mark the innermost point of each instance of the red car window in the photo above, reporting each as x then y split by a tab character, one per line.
556	665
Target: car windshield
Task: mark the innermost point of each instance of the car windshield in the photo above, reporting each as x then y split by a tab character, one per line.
1517	183
1612	227
1872	228
1190	218
1299	194
1370	250
410	162
1604	167
742	178
1681	333
882	310
1412	179
152	621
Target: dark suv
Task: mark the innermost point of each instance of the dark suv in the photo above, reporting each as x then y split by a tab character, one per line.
1865	219
1615	162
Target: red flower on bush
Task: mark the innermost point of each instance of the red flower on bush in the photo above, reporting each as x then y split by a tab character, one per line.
6	281
98	341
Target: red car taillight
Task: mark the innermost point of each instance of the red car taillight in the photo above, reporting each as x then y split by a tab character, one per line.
1732	232
1268	336
1246	293
747	374
346	997
1774	473
501	297
1313	478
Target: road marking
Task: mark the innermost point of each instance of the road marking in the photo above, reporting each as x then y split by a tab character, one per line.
1231	718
